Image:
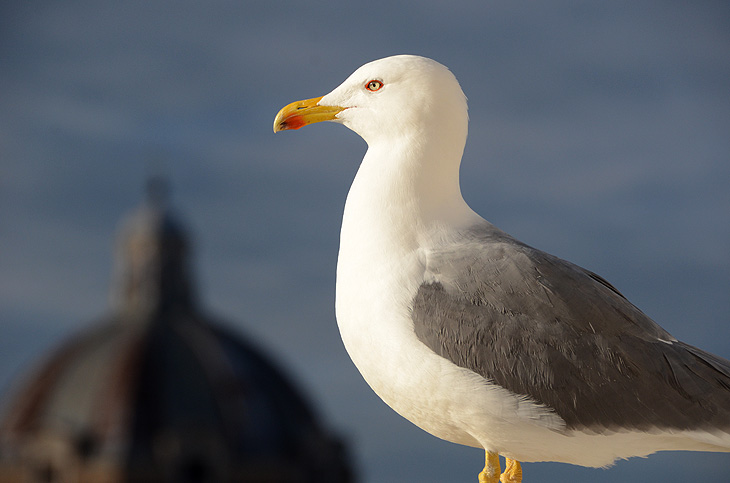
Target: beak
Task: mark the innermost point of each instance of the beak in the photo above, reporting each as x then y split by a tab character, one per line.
301	113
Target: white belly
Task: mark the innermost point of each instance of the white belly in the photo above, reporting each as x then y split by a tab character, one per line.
448	401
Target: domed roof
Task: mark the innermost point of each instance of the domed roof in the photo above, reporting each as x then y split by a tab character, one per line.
157	391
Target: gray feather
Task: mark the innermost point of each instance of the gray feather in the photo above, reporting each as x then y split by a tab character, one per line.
545	328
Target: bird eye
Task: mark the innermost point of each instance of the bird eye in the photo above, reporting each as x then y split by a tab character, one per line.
374	85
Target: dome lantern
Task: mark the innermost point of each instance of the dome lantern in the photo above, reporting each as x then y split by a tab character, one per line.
153	273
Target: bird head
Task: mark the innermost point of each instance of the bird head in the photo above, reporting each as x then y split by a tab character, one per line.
403	95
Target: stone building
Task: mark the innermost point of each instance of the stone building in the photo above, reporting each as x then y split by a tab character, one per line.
158	391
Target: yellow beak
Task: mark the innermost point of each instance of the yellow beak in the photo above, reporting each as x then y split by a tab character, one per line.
301	113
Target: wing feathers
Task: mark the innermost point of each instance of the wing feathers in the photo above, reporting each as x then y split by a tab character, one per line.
565	337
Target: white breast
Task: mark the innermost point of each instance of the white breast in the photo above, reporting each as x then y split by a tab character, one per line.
380	267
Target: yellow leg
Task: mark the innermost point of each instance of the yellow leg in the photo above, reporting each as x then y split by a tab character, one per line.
490	473
512	472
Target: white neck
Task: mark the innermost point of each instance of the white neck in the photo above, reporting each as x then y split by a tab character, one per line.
402	191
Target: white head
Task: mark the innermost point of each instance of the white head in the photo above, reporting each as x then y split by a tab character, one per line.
395	97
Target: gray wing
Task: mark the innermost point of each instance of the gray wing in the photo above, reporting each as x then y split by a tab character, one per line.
545	328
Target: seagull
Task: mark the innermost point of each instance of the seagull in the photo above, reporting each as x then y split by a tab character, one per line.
474	336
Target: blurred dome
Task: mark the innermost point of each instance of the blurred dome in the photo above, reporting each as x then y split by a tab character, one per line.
156	391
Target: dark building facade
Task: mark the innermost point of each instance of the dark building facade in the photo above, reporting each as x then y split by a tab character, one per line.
158	391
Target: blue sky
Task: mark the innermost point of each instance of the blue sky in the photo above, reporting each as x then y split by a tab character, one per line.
599	133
